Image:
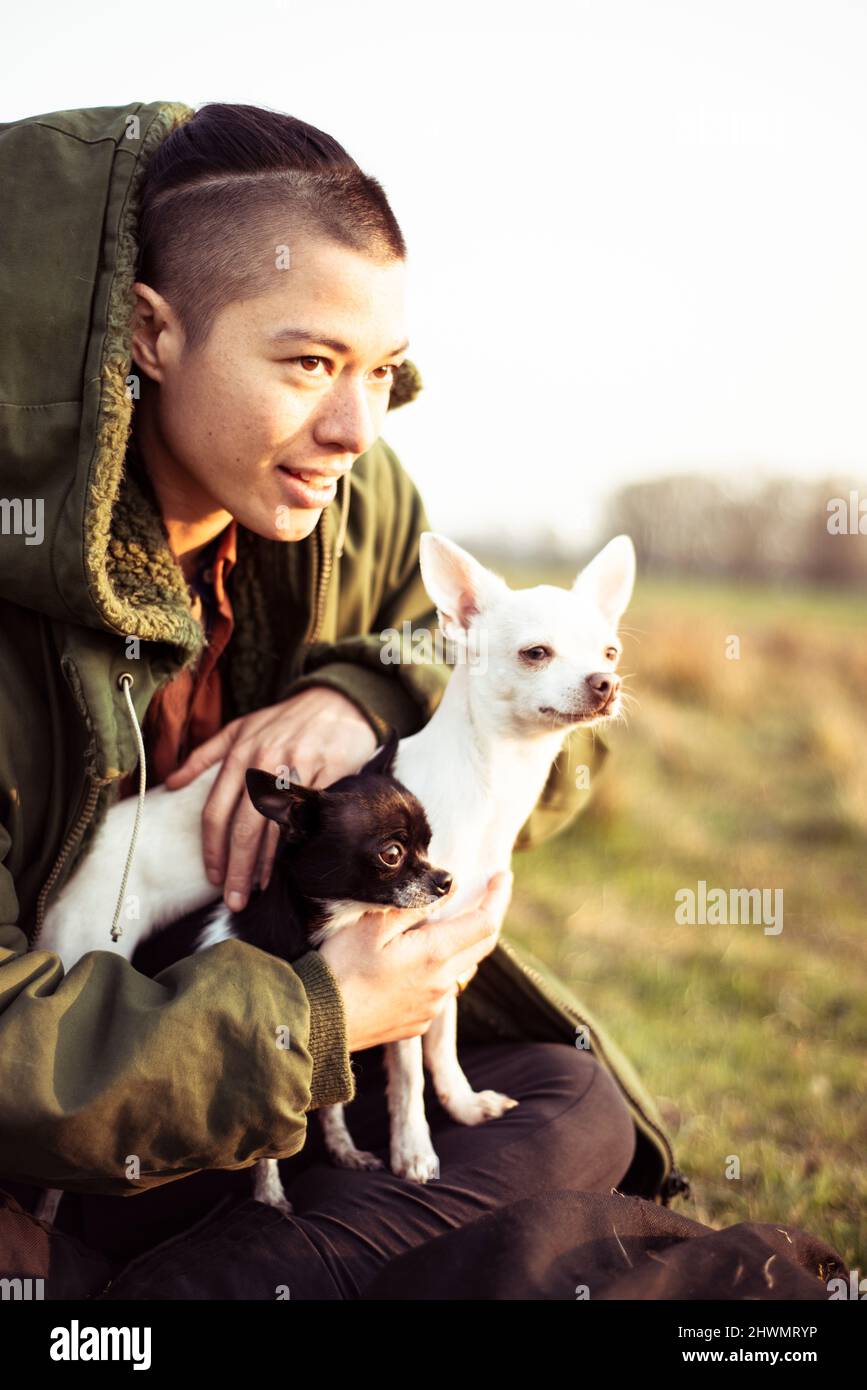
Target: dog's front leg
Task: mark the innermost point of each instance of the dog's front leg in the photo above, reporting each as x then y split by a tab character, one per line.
412	1152
454	1092
268	1187
339	1142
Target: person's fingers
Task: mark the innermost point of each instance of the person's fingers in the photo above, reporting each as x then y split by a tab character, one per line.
463	980
468	928
217	817
498	895
390	922
268	852
479	921
468	960
213	750
245	837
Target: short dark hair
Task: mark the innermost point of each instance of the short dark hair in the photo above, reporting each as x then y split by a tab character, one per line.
228	186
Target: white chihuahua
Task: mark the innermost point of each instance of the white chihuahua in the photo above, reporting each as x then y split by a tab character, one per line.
532	665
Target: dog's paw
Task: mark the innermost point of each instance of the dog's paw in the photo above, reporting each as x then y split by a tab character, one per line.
350	1157
281	1204
267	1187
480	1106
417	1163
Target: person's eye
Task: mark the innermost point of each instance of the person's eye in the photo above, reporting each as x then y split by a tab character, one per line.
305	361
392	368
391	854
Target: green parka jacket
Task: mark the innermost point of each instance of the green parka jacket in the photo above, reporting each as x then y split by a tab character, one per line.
102	1062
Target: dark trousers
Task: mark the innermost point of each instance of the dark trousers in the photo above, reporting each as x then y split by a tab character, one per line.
205	1237
526	1206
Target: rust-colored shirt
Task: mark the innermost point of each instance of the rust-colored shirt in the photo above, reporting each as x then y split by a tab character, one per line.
188	709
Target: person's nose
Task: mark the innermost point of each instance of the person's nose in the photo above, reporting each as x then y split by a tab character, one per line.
346	422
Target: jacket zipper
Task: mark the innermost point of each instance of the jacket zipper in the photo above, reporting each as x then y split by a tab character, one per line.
321	567
675	1181
68	845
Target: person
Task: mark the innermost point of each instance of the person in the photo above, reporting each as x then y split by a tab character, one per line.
204	537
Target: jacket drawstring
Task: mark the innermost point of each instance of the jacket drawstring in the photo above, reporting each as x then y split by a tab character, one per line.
125	680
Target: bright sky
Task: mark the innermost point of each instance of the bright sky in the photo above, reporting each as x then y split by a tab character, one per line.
637	228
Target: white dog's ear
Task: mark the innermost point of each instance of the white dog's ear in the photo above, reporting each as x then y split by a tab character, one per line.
609	578
457	584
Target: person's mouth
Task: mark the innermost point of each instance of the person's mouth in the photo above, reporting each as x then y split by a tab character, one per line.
306	487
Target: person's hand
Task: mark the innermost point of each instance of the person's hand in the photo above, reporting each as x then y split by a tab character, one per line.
319	732
395	977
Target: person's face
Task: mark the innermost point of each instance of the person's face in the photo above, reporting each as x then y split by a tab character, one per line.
239	421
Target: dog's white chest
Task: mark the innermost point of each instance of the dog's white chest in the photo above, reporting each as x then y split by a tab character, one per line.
474	819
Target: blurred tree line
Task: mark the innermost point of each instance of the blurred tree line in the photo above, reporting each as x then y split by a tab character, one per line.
815	531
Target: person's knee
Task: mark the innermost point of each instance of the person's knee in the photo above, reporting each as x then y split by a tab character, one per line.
597	1135
586	1134
544	1074
577	1129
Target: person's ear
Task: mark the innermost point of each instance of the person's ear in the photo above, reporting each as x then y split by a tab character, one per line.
156	332
292	807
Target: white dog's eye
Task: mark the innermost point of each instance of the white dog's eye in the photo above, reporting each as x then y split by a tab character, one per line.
611	654
536	654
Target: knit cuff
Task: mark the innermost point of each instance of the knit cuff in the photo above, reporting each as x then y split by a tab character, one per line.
332	1082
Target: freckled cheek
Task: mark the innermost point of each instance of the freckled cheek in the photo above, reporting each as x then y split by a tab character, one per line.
230	416
196	412
270	418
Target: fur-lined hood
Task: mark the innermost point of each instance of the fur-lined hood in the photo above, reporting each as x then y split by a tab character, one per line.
80	542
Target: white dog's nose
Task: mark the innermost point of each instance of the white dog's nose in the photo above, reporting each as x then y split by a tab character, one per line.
604	685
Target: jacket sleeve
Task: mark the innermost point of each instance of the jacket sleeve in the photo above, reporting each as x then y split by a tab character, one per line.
402	693
213	1064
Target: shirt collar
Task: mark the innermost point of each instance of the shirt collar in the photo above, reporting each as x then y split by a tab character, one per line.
216	562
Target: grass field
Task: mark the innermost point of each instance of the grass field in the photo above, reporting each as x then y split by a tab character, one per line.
746	773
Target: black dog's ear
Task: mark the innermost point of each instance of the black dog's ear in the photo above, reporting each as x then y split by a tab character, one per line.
383	759
289	806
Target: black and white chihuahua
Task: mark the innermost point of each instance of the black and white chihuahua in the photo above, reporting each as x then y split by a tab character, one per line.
359	844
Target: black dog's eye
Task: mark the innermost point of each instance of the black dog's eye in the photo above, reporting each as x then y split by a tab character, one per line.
392	854
536	653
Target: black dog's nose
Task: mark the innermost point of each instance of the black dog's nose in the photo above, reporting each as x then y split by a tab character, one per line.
442	882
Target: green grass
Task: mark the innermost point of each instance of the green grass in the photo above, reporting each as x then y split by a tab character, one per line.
746	773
